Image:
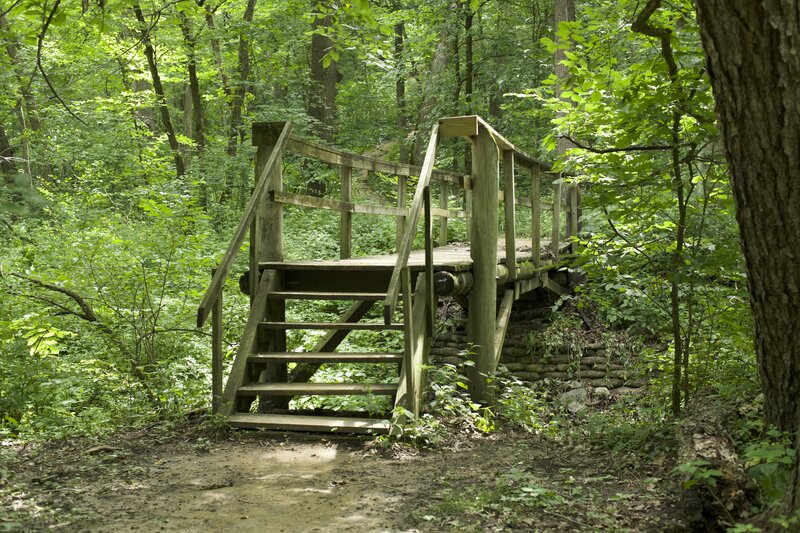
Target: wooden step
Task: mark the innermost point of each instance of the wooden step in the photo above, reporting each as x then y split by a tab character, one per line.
315	389
327	357
309	423
312	295
364	326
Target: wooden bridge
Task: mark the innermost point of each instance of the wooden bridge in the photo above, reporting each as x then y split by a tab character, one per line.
487	273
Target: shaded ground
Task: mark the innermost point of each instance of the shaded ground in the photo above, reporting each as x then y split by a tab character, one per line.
180	479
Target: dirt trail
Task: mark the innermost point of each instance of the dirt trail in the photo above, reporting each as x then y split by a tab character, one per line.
180	480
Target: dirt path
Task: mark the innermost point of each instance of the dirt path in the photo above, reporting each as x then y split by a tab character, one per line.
176	481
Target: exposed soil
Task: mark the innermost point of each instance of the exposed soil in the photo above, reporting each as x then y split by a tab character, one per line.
180	479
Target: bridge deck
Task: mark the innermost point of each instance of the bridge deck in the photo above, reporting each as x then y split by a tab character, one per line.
450	258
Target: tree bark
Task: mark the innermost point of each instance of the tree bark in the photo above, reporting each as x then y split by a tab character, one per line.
7	165
751	50
400	89
322	104
196	100
241	87
158	88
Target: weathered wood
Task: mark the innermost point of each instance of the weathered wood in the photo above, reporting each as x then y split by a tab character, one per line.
452	284
328	357
411	388
247	343
552	286
335	205
317	389
303	371
315	295
555	242
309	423
235	243
402	202
345	226
411	226
429	295
216	354
536	215
503	318
444	194
572	220
468	126
365	326
266	244
407	382
509	204
482	319
444	213
360	162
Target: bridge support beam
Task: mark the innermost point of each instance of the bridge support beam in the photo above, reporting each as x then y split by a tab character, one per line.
483	231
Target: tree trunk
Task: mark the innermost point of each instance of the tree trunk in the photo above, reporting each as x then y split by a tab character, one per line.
7	165
322	104
751	49
400	89
158	88
241	87
429	95
195	99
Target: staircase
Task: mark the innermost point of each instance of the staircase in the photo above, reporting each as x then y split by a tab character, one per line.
267	378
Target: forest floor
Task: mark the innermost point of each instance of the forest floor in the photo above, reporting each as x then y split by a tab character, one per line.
182	477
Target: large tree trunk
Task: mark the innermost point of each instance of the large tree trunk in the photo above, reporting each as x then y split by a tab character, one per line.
195	100
400	89
751	48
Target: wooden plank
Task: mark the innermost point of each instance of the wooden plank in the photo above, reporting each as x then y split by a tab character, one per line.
247	343
350	326
235	244
536	216
466	126
503	319
510	213
402	202
360	162
303	372
411	388
556	229
311	295
216	355
552	286
328	357
310	423
483	300
429	296
411	226
345	225
443	213
527	285
335	205
314	389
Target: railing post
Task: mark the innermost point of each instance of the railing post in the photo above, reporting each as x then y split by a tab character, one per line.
555	243
444	194
266	243
345	227
483	250
409	336
572	210
429	295
216	353
509	203
536	216
402	202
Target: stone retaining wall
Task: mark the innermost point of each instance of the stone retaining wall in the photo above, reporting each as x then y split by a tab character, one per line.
595	367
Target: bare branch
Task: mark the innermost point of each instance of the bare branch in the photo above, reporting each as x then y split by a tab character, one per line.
88	312
634	148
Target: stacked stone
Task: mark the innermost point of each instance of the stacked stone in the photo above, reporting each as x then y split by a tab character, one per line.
595	367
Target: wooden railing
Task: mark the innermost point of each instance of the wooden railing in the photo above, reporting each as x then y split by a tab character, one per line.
211	304
481	200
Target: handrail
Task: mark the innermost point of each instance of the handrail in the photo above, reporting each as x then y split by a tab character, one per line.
411	226
262	185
